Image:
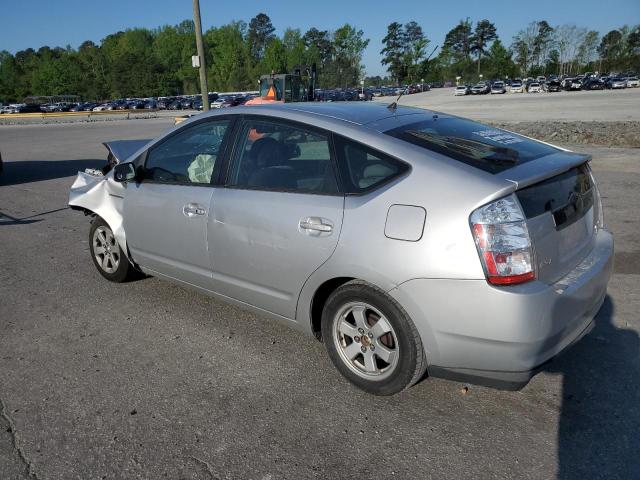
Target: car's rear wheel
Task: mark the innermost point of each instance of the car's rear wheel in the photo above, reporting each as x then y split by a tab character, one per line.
106	253
371	340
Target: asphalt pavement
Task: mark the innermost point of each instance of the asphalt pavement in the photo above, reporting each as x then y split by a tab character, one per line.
148	380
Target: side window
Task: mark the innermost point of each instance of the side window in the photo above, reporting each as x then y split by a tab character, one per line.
275	156
188	157
362	168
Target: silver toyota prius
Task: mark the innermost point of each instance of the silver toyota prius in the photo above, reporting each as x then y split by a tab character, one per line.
410	242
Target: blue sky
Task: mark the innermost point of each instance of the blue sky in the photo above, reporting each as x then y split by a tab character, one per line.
33	23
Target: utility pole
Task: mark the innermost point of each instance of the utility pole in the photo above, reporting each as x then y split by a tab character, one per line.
203	67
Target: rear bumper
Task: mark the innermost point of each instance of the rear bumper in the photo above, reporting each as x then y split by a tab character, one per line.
500	337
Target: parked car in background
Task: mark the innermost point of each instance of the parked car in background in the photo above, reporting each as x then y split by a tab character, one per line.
509	270
616	83
462	90
27	108
551	86
164	102
7	109
481	88
594	83
517	87
632	82
187	103
136	104
101	108
571	84
534	87
498	87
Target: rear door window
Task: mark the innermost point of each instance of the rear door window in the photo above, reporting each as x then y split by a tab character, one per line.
489	149
280	156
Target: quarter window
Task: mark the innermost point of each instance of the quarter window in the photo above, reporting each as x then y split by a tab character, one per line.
362	168
278	156
189	157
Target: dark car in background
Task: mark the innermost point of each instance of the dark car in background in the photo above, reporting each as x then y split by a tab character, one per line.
28	108
572	84
551	86
186	103
592	84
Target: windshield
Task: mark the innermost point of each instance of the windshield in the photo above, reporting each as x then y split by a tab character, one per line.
480	146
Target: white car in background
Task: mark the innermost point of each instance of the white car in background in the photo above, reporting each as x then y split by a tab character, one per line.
461	90
100	108
7	109
633	82
517	87
498	87
534	87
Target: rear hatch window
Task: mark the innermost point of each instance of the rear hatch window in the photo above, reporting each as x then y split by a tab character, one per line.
489	149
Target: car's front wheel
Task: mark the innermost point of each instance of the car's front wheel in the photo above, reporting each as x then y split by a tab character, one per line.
371	340
107	255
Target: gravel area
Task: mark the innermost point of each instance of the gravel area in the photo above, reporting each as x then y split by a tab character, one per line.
610	134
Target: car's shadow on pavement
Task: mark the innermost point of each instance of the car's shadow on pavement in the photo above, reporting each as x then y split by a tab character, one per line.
20	172
599	428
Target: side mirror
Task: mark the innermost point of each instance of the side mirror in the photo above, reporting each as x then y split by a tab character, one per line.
124	172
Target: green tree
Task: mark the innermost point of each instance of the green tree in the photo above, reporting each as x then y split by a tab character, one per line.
393	51
229	58
349	45
485	32
260	34
499	63
458	40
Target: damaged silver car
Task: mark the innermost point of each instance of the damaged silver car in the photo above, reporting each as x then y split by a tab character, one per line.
410	242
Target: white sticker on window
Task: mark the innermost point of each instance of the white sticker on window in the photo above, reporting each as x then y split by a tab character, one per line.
499	137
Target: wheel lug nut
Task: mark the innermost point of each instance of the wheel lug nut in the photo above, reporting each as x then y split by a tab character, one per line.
356	339
372	348
370	335
361	331
363	349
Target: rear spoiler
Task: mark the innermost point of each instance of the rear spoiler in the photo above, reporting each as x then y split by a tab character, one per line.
542	168
123	149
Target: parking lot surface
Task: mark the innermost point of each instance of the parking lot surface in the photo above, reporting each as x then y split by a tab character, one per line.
598	105
148	380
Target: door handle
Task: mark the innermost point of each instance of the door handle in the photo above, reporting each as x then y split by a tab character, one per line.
193	209
316	224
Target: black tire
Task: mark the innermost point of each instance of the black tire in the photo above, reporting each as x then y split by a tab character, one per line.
124	270
411	363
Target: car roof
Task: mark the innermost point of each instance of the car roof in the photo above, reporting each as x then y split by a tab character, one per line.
360	113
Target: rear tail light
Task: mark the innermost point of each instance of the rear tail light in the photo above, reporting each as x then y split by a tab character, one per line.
500	232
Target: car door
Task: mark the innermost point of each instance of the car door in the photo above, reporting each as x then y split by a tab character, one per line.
166	212
278	218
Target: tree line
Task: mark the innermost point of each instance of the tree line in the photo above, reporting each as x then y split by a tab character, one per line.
141	62
469	51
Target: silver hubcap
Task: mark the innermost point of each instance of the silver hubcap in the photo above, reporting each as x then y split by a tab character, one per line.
105	249
366	341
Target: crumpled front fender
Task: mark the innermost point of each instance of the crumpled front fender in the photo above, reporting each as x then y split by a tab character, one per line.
104	197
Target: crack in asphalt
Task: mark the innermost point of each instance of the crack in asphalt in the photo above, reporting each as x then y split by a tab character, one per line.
206	464
14	440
